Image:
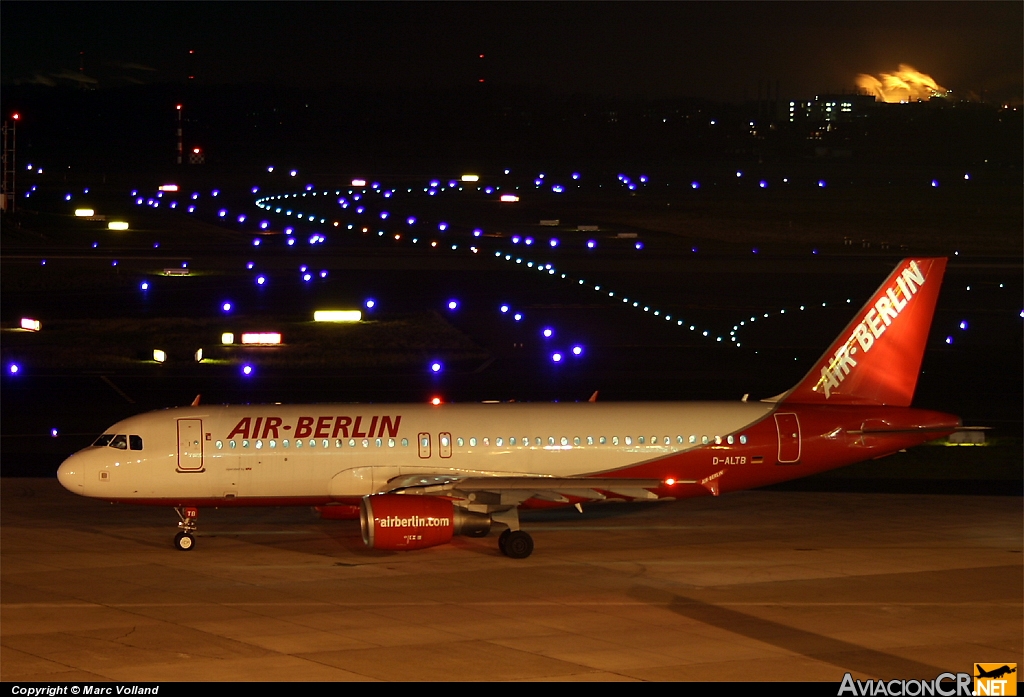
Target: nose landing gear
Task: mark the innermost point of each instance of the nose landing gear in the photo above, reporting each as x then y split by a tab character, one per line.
185	540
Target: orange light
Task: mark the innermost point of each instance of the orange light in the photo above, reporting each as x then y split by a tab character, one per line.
168	187
261	338
435	401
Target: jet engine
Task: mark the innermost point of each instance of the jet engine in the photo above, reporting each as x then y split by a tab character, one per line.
408	521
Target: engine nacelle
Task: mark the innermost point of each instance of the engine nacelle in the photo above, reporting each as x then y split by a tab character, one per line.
408	521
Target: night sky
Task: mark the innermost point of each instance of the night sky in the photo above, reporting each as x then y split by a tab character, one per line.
723	51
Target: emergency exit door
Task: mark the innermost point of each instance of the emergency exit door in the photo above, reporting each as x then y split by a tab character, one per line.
788	426
190	445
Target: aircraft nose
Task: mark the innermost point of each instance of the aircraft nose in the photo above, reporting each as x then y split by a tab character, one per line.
71	475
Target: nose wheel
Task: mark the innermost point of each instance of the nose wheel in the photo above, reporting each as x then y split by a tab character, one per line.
185	540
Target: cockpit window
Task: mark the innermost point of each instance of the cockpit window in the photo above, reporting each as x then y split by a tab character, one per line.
135	442
104	440
120	442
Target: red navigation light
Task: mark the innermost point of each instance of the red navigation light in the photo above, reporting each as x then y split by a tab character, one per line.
16	116
195	150
435	401
178	107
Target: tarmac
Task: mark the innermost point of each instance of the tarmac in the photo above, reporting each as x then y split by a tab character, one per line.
753	586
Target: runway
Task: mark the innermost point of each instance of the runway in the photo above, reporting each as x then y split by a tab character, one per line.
757	585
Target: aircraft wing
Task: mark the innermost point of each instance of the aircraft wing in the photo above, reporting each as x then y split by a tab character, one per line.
511	491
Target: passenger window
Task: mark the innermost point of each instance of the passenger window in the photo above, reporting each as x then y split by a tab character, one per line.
536	441
298	443
120	442
351	442
487	441
704	440
629	440
551	440
232	444
590	440
326	443
564	441
104	440
472	442
668	441
718	440
743	440
391	442
405	442
273	444
135	442
285	443
259	444
378	442
640	440
512	440
366	443
729	440
679	439
461	441
338	443
220	444
576	440
603	440
245	444
693	439
615	440
312	442
499	442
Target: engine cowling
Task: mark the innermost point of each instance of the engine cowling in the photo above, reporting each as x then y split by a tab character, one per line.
405	521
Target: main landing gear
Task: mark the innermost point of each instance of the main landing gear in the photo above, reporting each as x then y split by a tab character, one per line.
513	543
185	540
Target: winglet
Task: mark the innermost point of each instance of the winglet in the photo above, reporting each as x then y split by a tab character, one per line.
877	358
593	397
195	402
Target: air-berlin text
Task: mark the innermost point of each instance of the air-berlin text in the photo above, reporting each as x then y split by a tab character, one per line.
394	521
886	309
318	427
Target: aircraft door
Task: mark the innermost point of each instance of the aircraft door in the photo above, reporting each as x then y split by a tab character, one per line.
190	445
424	444
444	444
788	426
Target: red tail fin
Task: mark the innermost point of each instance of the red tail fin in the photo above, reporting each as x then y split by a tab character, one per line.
877	358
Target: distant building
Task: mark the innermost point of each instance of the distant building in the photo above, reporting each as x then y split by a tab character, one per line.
831	107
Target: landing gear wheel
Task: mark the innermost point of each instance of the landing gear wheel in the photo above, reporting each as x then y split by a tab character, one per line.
518	544
501	540
184	541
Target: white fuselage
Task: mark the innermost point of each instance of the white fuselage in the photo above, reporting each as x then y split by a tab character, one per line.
326	452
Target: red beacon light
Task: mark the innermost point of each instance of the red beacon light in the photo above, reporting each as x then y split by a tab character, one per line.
435	401
16	116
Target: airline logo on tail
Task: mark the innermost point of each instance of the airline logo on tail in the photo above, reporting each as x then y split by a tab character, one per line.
871	327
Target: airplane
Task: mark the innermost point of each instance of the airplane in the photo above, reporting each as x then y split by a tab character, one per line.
417	474
995	673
